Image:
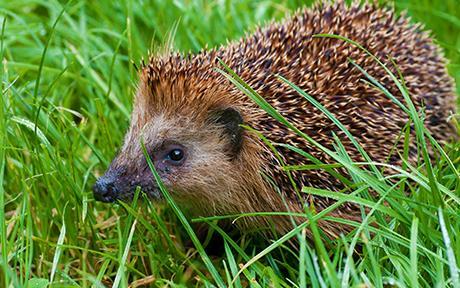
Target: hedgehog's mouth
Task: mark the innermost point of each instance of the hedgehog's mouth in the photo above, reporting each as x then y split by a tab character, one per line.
151	192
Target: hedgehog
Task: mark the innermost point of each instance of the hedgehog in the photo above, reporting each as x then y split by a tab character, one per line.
194	121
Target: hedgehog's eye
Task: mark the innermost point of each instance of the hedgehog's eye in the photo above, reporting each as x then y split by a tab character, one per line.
170	154
176	155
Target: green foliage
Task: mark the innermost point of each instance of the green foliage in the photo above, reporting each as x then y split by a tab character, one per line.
67	81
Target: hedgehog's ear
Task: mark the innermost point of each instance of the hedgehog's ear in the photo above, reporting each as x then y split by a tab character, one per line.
230	119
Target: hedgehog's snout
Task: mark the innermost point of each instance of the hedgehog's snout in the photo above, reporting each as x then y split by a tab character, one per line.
106	188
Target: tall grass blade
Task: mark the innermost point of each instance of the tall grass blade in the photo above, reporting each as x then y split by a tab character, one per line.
57	253
183	220
3	141
453	268
122	263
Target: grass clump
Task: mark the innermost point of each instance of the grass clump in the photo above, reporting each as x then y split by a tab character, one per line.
67	83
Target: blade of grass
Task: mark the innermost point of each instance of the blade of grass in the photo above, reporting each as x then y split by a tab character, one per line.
413	253
453	268
3	141
122	263
325	260
183	220
58	251
232	264
302	259
42	60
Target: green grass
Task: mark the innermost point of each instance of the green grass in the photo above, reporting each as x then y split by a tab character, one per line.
67	84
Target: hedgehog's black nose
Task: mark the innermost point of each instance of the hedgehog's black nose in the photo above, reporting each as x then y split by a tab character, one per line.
105	189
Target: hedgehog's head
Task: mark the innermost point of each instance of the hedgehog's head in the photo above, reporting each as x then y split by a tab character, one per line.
191	134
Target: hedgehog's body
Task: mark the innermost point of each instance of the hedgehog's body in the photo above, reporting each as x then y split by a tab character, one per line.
185	105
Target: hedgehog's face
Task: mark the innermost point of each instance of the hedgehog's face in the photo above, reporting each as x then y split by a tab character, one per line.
192	157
